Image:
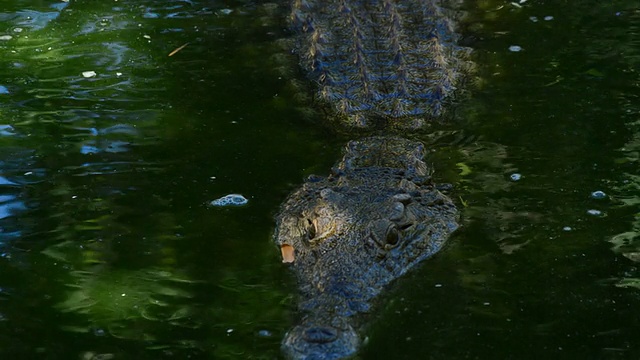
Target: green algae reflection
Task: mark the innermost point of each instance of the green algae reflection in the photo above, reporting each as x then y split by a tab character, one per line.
124	303
119	299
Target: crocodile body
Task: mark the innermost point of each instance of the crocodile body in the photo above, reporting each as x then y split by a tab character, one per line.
385	66
380	63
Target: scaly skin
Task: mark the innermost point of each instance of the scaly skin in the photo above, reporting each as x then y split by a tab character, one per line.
380	63
354	232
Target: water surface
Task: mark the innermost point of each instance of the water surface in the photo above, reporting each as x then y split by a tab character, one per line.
111	150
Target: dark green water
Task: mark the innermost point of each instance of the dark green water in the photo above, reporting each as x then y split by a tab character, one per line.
108	249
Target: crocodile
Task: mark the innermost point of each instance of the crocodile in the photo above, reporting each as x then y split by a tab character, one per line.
387	67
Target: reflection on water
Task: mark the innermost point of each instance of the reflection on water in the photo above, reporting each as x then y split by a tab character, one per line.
88	185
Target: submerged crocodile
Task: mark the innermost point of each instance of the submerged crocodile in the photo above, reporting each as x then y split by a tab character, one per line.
387	66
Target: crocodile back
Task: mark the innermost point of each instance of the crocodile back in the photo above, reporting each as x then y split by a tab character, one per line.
373	60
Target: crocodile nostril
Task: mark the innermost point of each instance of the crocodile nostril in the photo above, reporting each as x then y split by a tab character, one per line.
320	334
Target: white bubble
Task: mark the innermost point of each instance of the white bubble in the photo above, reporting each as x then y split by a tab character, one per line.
230	200
89	74
515	48
594	212
598	194
515	177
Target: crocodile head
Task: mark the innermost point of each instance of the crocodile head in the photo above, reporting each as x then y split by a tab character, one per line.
349	235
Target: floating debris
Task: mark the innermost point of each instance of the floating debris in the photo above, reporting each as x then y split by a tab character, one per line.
230	200
178	49
89	74
567	228
548	18
3	90
598	195
6	37
515	177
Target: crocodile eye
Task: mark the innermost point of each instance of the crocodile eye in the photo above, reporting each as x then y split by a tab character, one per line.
311	229
392	236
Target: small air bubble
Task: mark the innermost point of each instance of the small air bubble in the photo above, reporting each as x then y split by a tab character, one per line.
594	212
